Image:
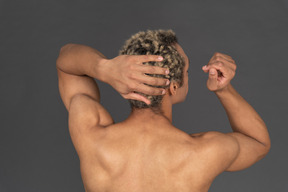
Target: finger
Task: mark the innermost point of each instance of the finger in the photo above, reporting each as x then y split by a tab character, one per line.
153	70
224	62
149	90
147	58
205	69
218	66
155	81
222	54
222	58
136	96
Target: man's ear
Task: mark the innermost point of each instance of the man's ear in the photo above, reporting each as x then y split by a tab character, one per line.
173	88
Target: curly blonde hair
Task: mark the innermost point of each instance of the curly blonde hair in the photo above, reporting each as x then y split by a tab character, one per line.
156	42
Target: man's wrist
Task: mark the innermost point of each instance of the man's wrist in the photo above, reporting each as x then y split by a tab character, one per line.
101	70
225	91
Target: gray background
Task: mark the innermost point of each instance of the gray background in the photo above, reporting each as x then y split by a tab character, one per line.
36	153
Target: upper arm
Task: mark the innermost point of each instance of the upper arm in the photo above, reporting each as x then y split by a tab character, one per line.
232	151
235	151
80	95
250	151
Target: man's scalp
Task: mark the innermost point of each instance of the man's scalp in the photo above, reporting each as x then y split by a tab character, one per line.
156	42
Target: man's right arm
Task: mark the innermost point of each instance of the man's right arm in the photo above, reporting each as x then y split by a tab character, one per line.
249	130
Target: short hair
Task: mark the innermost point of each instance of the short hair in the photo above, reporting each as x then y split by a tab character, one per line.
156	42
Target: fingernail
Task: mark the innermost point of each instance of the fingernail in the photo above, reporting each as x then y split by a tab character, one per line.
160	58
167	82
204	66
167	71
212	72
163	92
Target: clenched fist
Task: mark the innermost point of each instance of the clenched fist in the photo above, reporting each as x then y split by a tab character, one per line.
221	70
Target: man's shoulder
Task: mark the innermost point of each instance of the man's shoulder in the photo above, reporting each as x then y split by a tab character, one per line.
215	139
220	149
207	135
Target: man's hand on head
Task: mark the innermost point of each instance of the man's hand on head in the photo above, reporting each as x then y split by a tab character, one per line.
127	74
221	70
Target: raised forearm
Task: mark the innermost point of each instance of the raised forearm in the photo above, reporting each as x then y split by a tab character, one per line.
81	60
242	116
125	73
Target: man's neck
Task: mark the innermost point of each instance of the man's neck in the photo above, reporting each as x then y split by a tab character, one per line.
148	114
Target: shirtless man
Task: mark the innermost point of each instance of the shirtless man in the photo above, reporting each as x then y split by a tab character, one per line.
146	153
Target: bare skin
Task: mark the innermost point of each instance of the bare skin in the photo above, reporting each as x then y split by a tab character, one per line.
146	152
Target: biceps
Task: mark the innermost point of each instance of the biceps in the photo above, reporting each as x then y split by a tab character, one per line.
250	152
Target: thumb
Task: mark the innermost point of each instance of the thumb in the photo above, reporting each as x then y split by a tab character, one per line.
213	74
212	80
138	97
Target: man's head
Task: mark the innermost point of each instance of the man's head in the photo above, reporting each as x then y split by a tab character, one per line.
164	43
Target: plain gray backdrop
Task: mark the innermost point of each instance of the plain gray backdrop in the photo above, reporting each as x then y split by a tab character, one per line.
36	153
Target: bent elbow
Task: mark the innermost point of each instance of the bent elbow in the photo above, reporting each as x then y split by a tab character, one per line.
267	145
266	142
65	47
62	54
265	150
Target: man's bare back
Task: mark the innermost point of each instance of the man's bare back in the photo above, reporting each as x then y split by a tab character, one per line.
146	152
154	156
